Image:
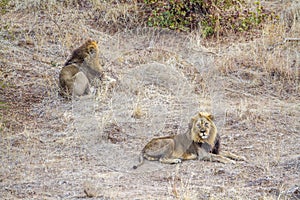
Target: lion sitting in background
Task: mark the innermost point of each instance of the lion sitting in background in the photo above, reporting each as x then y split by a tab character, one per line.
201	141
81	70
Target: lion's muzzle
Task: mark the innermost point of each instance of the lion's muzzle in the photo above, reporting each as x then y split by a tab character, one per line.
203	134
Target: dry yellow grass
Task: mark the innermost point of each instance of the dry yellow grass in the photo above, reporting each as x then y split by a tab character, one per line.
52	148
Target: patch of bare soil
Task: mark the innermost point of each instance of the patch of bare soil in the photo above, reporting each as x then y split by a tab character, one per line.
51	148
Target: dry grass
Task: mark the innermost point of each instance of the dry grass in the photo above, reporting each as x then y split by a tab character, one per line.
272	58
85	148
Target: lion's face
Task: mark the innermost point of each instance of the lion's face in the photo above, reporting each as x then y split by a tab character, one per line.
92	47
201	127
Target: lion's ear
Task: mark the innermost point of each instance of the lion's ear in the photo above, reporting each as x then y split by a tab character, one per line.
207	115
210	116
193	119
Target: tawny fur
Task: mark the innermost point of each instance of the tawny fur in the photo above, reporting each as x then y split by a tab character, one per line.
88	48
85	61
201	141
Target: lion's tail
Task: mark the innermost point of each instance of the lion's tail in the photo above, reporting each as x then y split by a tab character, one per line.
141	159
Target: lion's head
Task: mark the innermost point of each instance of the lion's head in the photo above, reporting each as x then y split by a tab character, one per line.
91	46
88	50
203	128
91	55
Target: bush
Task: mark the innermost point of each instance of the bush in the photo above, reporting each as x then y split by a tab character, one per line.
3	6
211	16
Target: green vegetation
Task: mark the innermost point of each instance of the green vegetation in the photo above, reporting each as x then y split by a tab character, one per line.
3	6
213	17
3	105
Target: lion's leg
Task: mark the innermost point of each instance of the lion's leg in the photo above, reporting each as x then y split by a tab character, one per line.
204	155
81	84
174	159
232	156
68	88
221	159
161	149
168	156
189	156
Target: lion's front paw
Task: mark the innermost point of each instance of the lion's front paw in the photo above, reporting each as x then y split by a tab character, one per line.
176	161
170	160
225	160
232	162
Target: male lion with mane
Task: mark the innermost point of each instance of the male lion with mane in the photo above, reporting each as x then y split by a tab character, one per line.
80	70
201	141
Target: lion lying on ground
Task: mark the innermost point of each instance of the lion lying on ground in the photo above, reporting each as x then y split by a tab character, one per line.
81	69
201	141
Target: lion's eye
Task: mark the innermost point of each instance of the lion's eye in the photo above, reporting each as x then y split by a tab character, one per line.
206	124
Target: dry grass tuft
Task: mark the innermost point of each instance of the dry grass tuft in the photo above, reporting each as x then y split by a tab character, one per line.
85	148
138	113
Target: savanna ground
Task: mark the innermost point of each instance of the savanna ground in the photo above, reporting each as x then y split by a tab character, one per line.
51	148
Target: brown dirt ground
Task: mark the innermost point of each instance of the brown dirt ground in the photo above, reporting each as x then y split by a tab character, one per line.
51	148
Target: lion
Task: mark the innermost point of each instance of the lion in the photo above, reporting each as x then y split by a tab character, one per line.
201	142
81	70
89	48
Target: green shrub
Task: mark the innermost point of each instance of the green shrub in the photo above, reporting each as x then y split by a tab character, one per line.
3	6
211	16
